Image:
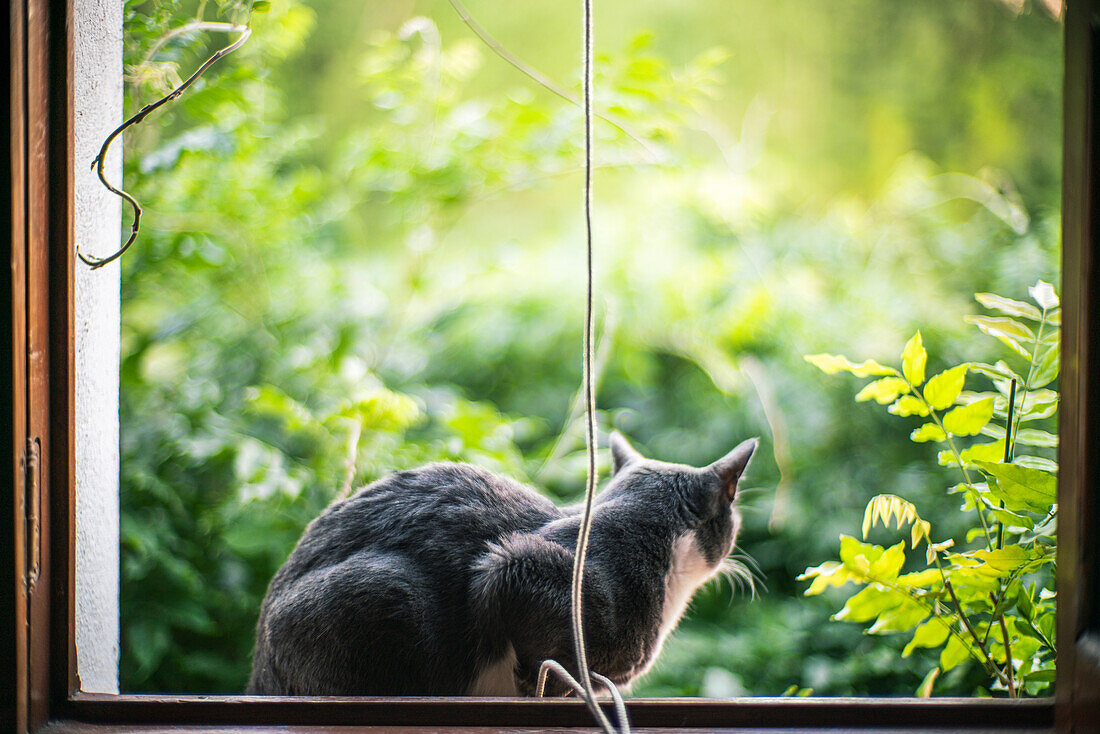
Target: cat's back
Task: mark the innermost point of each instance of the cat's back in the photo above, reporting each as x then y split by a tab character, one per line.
441	514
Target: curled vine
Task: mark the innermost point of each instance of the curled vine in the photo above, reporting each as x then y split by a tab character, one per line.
98	162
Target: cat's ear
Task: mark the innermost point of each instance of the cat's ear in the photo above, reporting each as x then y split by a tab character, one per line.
731	466
622	453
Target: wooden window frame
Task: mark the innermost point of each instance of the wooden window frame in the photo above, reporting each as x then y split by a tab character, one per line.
38	677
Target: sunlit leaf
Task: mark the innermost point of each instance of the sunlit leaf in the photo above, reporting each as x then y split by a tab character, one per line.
943	389
1044	294
827	574
1001	562
998	371
886	568
908	405
885	508
883	391
1038	404
857	556
928	578
935	549
953	653
900	618
913	360
1035	437
832	363
1020	487
972	454
931	633
1009	331
1047	366
1008	306
870	603
1036	462
969	419
928	432
924	690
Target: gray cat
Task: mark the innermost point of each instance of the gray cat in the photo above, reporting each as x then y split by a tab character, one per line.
450	580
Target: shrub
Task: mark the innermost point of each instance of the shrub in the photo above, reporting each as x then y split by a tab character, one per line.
993	602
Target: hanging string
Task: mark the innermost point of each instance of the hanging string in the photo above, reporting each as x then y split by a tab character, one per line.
584	688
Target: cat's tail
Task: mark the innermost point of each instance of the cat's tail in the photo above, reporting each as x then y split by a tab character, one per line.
523	574
520	588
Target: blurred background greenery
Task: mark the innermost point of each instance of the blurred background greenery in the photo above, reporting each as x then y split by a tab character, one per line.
362	251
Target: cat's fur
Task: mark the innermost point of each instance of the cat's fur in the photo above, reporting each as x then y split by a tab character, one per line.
450	580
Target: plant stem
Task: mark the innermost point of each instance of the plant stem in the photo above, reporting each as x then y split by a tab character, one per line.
1008	455
1008	658
1013	429
962	467
194	26
991	667
986	660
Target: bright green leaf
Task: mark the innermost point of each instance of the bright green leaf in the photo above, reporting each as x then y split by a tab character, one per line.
983	452
1011	332
886	568
902	617
931	633
1003	327
953	653
913	360
998	371
833	363
1008	306
1001	562
885	507
908	405
870	603
1047	366
928	432
1038	404
943	390
827	574
1035	437
969	419
857	556
883	391
924	690
928	578
1020	487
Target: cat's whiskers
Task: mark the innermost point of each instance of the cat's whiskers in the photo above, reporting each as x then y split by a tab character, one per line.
742	573
752	562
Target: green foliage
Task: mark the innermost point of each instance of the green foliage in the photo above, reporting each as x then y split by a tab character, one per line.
360	253
978	604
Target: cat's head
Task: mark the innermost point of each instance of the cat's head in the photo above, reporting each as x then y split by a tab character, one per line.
697	503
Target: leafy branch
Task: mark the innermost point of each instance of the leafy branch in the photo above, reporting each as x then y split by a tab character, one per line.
983	589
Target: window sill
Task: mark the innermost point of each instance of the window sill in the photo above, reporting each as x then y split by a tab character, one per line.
90	713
